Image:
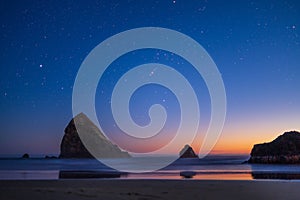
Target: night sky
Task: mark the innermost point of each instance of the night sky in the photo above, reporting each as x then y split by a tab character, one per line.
255	44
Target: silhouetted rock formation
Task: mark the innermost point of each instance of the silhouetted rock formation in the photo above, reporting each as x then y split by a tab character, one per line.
26	155
187	174
285	149
187	152
72	146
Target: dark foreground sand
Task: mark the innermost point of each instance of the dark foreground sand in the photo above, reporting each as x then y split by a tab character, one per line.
148	189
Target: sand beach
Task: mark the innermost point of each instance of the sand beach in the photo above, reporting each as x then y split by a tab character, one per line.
148	189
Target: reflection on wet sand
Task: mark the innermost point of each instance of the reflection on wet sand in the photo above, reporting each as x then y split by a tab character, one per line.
155	175
285	176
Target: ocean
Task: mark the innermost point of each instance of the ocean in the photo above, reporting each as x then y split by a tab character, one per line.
213	167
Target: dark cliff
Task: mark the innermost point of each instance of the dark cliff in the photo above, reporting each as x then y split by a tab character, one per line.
285	149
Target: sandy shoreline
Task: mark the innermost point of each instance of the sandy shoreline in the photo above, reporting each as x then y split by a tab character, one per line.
148	189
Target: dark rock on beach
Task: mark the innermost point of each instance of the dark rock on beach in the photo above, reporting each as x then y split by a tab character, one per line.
187	174
285	149
187	152
73	147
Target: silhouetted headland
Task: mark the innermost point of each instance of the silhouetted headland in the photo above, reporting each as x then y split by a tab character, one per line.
285	149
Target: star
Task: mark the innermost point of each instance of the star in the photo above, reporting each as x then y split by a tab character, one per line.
293	27
41	65
153	71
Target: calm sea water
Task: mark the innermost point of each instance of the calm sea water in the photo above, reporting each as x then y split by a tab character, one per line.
211	167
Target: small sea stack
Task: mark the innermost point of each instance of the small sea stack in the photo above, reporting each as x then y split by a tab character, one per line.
187	152
25	156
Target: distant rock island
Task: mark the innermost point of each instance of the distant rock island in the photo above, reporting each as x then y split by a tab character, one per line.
72	146
187	152
285	149
25	156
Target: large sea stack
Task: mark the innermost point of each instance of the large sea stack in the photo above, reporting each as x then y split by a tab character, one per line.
72	146
285	149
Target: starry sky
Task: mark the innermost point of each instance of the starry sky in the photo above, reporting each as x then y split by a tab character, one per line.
255	44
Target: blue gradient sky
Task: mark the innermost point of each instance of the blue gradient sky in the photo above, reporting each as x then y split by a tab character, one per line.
255	44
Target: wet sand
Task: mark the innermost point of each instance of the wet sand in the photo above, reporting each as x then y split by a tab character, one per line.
147	189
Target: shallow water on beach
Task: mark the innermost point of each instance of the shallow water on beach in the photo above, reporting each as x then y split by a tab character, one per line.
211	167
